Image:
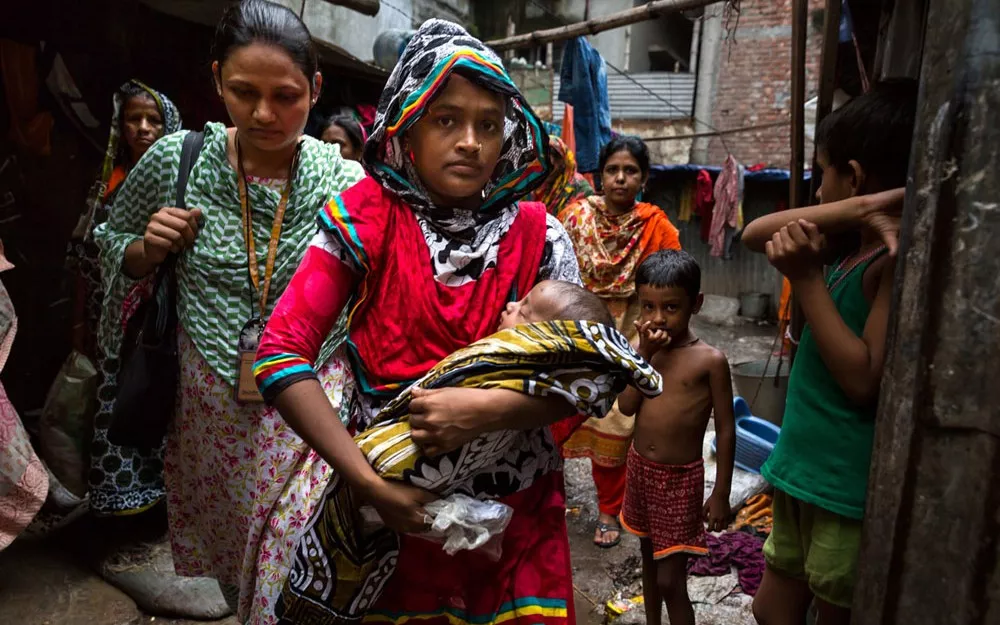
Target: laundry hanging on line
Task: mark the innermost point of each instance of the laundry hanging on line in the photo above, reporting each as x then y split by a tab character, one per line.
584	84
704	202
728	205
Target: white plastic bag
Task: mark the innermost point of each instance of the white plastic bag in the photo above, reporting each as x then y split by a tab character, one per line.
464	523
67	423
460	523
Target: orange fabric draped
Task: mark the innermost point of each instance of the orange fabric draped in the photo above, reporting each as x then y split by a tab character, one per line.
610	247
784	307
117	177
567	129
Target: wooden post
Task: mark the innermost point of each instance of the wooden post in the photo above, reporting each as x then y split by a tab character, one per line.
511	29
642	13
931	546
827	79
800	10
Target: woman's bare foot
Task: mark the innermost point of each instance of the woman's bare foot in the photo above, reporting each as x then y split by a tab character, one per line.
608	533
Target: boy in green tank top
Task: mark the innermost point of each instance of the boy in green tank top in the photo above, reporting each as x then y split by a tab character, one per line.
819	467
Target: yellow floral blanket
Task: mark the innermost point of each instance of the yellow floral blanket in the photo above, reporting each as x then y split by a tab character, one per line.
338	569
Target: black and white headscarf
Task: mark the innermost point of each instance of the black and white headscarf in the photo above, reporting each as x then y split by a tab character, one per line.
463	243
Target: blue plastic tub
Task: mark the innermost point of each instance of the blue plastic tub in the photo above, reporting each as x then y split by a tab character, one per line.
755	438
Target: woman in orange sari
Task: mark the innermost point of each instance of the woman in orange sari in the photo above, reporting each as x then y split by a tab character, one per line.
612	235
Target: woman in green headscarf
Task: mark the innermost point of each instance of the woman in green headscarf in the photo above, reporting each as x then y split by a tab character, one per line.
141	116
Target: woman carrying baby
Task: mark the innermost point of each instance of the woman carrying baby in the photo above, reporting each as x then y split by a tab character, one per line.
425	254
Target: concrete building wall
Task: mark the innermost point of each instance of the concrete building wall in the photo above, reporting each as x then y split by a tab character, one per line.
348	29
754	81
626	48
670	34
674	152
745	271
641	37
458	11
611	43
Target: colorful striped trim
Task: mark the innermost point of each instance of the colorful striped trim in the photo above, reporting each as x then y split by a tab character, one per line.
521	608
335	218
272	369
515	183
419	99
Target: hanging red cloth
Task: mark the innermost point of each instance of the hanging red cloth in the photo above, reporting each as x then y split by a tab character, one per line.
704	202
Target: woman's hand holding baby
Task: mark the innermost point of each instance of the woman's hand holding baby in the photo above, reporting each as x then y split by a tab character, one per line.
444	419
401	507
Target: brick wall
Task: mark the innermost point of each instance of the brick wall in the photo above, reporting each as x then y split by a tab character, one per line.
755	81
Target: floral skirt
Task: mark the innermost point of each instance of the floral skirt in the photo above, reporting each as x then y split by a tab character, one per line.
240	484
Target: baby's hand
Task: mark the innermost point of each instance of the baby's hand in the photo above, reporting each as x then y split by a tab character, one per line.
650	340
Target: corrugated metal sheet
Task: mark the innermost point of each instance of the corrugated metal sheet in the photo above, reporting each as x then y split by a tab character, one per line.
630	101
745	271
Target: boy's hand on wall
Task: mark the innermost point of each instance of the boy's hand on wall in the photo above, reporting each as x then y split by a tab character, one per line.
797	250
881	214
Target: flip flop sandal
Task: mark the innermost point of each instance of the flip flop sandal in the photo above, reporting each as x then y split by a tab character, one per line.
604	528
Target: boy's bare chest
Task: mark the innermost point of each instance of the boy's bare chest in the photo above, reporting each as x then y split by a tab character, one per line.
685	378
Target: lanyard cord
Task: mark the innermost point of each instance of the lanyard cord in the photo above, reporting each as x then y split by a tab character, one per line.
253	268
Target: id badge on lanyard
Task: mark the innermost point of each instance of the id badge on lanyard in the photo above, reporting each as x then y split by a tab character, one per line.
246	355
249	339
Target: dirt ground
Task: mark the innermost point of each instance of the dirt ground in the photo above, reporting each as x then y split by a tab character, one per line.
44	583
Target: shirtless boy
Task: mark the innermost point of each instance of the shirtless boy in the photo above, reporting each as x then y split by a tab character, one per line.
666	473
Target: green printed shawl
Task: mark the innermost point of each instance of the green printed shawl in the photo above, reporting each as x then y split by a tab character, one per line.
115	149
214	298
338	571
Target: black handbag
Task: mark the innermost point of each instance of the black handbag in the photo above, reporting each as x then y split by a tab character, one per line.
147	377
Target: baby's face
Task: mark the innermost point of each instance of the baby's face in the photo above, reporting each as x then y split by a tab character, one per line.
538	305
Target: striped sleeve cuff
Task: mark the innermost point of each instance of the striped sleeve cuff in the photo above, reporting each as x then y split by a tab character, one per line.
277	372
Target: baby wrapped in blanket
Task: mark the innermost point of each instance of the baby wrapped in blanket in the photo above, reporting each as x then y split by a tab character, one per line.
559	340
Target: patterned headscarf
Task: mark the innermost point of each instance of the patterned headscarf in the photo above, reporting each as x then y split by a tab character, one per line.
437	50
565	184
171	124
